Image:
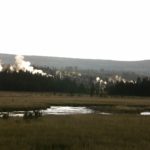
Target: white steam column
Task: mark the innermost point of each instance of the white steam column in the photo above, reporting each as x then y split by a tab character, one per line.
1	68
22	65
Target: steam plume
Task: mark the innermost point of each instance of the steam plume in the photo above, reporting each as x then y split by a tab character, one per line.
22	65
97	79
1	68
115	79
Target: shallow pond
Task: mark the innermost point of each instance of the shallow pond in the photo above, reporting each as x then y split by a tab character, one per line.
145	113
54	110
65	110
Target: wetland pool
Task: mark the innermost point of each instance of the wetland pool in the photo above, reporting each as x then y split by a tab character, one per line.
67	110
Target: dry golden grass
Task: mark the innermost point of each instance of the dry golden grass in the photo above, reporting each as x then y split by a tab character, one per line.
32	97
28	100
73	132
76	132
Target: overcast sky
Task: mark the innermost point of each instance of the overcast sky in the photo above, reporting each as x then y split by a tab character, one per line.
99	29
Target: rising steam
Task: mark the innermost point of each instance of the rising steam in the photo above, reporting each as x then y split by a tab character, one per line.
1	68
25	66
116	78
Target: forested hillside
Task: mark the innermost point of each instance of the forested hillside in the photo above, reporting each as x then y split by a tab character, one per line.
139	67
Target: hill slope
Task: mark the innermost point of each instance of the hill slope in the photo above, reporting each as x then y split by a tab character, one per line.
142	67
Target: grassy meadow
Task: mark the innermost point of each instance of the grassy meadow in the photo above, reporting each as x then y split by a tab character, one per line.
31	100
74	132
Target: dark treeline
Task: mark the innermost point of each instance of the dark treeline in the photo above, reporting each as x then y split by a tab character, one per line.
25	81
140	88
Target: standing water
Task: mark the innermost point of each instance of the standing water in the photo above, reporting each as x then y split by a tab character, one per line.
66	110
145	113
53	110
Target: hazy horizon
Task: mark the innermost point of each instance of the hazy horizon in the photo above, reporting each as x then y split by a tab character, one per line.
73	57
85	29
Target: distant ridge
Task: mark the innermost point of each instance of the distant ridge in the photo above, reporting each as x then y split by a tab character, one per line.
142	67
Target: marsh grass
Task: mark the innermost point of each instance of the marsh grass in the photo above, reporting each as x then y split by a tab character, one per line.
76	132
28	100
15	101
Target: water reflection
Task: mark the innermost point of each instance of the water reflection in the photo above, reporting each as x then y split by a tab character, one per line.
59	110
53	110
145	113
66	110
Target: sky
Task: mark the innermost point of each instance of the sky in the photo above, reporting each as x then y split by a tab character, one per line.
96	29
